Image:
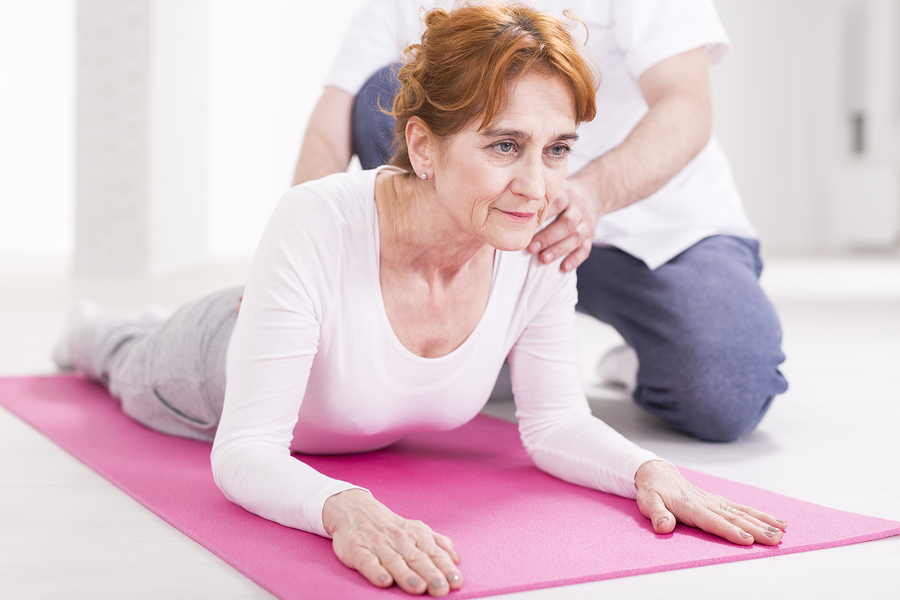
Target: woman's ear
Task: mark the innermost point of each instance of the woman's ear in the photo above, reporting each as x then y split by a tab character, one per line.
420	145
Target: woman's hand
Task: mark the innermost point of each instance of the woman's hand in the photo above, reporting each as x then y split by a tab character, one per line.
664	496
386	548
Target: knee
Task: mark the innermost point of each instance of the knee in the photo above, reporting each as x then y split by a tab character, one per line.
723	415
719	395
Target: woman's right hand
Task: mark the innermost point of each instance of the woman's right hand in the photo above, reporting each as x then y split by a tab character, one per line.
386	548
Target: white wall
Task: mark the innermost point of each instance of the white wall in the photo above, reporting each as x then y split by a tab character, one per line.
764	118
778	108
37	111
141	136
268	61
270	58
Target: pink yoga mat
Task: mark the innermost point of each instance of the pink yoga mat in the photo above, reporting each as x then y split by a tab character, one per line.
515	527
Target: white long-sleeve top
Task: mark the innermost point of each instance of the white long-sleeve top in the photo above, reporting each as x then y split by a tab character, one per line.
314	366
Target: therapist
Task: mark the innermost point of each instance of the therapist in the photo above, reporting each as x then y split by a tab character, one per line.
650	215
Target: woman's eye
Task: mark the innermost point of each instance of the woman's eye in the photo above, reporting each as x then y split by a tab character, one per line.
505	147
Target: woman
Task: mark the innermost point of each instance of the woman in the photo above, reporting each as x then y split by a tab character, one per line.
385	302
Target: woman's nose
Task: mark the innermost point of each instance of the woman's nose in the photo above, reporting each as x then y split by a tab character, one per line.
529	180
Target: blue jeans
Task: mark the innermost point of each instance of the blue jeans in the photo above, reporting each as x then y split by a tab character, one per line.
707	338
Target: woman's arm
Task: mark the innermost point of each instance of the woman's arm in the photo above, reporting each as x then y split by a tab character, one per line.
270	356
565	440
269	360
555	421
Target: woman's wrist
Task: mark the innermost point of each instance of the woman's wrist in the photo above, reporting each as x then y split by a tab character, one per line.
338	505
650	470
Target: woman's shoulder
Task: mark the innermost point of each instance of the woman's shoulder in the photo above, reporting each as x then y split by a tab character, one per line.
338	198
534	281
322	220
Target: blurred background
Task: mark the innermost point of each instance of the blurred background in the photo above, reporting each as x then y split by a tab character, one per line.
215	96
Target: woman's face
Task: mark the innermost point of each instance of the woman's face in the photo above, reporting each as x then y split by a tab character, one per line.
498	183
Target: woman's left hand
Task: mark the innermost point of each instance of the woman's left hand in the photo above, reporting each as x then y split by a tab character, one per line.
664	497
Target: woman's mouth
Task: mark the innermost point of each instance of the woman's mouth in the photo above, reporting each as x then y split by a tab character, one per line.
518	217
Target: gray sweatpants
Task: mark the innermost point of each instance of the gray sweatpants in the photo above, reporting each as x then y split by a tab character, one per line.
169	376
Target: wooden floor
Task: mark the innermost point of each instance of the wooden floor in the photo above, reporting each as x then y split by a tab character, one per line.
833	439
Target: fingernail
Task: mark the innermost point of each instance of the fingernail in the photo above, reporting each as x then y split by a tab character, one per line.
438	582
769	533
744	534
567	268
774	530
454	577
383	577
661	521
534	247
782	521
548	257
413	581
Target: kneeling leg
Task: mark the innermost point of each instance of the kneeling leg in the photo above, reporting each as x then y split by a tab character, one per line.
707	338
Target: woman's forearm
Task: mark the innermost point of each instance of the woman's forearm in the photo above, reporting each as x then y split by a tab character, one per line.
267	481
585	451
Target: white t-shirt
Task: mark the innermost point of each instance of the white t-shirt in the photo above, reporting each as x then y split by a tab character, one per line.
314	366
626	38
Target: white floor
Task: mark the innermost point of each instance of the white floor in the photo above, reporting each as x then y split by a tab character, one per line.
65	532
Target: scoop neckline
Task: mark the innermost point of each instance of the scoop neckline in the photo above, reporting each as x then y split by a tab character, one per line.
374	248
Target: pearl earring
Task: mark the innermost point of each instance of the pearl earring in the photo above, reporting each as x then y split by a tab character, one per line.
424	177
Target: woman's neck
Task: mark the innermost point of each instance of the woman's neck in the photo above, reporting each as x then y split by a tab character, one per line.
418	234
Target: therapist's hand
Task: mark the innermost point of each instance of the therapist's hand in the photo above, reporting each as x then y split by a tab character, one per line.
386	548
570	235
664	496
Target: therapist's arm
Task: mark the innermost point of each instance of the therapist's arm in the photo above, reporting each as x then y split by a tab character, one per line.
326	145
675	129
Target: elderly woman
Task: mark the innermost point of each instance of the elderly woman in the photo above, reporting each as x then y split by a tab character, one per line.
385	302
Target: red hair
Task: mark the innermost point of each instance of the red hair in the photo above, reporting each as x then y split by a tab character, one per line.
460	70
